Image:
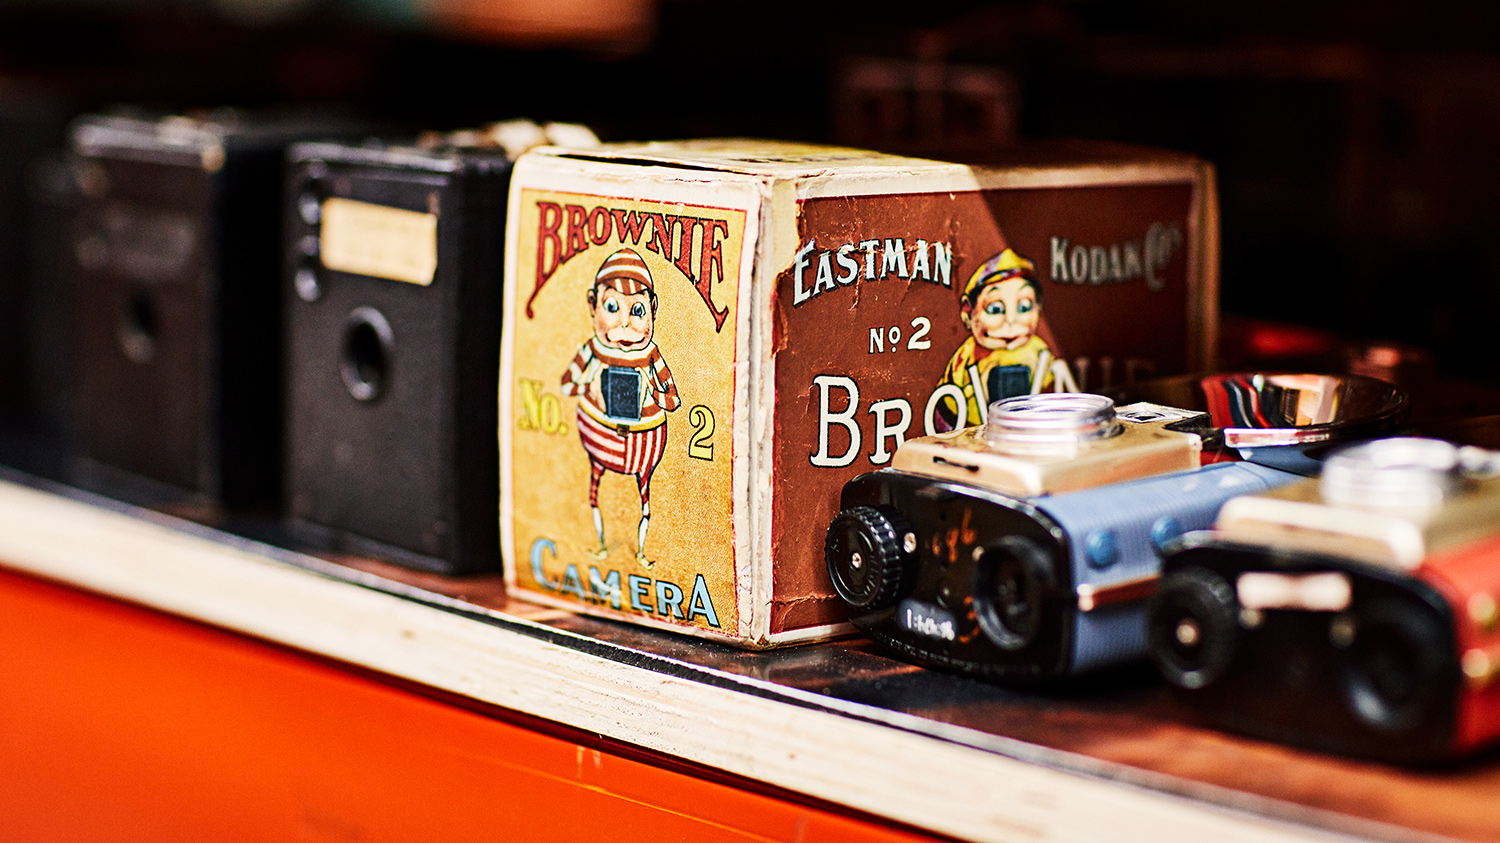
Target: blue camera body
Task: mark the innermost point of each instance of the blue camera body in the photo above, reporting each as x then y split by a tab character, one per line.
1007	587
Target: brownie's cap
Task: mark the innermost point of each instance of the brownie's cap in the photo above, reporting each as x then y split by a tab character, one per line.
626	271
1001	267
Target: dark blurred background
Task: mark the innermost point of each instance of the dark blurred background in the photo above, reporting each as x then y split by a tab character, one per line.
1356	141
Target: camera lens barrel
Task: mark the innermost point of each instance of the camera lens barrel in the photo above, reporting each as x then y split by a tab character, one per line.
1394	667
368	349
140	327
1011	582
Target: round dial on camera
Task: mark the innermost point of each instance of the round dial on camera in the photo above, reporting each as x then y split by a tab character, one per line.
871	554
1193	627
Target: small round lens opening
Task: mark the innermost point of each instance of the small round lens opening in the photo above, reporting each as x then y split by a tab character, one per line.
1011	584
139	328
368	341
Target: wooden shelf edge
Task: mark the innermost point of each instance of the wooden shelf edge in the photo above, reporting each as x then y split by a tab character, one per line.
837	751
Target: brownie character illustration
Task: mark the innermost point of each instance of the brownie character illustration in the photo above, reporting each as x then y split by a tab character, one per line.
1004	356
623	385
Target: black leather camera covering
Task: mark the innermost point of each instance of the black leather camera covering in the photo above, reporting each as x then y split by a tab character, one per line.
409	471
36	199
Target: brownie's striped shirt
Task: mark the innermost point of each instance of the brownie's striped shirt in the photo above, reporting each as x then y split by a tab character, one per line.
658	392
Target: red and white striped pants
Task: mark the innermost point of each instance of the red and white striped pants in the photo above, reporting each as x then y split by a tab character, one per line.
627	452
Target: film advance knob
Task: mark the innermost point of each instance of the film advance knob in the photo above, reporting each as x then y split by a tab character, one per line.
867	556
1193	627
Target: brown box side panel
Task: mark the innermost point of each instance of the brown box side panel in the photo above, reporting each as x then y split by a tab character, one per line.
869	324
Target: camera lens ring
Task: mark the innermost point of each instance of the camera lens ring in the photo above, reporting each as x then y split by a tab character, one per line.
1192	627
1050	419
1012	581
865	551
1397	472
366	353
1394	669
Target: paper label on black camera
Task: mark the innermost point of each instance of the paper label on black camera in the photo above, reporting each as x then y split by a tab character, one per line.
377	240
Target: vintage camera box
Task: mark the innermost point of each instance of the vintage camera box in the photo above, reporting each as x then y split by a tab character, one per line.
703	340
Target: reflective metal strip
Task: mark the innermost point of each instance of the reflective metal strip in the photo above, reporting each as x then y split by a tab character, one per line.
1091	597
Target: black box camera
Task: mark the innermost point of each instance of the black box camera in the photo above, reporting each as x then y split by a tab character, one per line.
177	243
393	315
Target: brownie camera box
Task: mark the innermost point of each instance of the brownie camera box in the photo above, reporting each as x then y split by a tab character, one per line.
703	340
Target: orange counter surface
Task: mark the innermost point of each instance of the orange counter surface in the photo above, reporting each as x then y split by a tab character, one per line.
121	723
